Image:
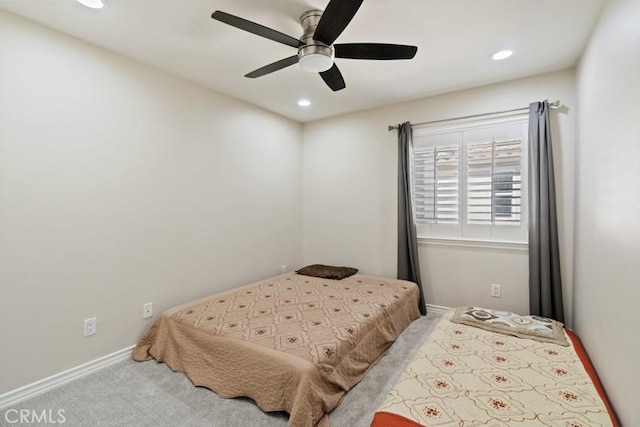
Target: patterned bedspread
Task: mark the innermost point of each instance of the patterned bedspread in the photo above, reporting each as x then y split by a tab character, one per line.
467	376
292	342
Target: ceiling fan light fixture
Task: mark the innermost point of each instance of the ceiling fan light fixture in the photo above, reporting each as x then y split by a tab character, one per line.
502	54
93	4
315	63
315	58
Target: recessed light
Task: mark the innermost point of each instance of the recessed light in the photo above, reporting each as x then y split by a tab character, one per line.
502	54
93	4
304	103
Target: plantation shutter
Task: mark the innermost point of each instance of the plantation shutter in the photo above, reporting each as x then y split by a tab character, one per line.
436	183
470	180
494	182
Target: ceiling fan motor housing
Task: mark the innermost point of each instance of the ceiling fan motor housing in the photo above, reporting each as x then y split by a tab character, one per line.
314	56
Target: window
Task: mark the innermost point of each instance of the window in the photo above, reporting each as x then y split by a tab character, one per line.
469	179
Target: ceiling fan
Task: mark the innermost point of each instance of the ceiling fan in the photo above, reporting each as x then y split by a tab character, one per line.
316	51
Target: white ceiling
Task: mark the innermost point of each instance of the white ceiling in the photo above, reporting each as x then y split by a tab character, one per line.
454	37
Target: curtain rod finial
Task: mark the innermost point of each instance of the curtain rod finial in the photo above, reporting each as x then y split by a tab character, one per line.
392	128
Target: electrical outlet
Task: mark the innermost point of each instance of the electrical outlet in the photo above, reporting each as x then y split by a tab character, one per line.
495	291
90	326
283	269
147	310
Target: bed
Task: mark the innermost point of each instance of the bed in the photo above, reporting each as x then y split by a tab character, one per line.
467	375
291	343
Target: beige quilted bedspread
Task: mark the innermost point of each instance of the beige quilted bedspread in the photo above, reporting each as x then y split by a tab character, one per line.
463	375
292	342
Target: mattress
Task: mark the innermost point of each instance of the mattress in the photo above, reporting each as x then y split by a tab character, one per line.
291	343
463	375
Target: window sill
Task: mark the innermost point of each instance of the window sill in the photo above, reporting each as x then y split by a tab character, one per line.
474	243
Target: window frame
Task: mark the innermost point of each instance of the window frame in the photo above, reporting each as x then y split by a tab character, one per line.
463	231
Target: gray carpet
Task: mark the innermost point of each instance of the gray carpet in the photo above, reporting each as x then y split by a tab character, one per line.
149	394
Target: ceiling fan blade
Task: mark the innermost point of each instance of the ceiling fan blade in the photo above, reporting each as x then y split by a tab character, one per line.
257	29
333	78
335	19
278	65
379	51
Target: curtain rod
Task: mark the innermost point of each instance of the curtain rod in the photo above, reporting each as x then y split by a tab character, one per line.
553	105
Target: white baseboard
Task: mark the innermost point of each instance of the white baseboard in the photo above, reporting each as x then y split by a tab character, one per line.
438	310
37	388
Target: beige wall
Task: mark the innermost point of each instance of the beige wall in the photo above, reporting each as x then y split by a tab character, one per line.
457	274
121	185
607	282
349	169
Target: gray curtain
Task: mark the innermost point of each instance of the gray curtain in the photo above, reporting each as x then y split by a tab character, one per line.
408	263
545	286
